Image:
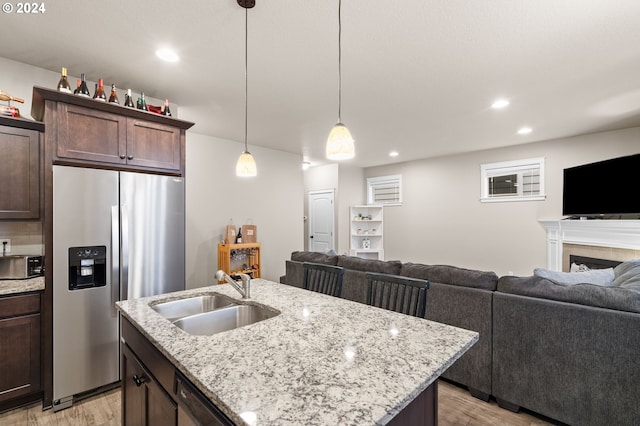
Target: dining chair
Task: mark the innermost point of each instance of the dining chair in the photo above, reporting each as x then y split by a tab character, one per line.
326	279
395	293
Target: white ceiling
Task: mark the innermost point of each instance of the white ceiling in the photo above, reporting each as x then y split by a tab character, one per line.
418	76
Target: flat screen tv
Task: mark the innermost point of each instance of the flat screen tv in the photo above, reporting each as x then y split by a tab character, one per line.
604	188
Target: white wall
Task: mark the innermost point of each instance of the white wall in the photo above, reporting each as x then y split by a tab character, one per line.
273	200
442	220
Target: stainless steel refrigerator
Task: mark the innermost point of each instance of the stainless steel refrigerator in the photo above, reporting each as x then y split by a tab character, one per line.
116	235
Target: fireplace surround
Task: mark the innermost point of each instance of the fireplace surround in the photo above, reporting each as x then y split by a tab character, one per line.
616	240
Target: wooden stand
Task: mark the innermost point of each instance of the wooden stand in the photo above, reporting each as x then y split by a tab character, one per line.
239	258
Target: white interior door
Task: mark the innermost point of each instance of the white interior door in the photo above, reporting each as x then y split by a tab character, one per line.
321	223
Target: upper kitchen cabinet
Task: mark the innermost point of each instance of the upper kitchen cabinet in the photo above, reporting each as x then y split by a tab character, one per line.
20	169
89	132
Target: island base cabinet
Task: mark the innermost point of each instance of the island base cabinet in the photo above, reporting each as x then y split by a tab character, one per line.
144	402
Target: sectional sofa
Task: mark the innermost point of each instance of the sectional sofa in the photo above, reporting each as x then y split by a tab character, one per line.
567	352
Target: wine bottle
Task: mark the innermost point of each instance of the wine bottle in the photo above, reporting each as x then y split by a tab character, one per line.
99	94
142	103
77	90
165	108
239	236
128	100
113	97
63	84
83	90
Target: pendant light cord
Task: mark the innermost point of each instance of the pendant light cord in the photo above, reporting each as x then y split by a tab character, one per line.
339	63
246	73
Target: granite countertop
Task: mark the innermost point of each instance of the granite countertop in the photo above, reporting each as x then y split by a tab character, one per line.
8	287
323	360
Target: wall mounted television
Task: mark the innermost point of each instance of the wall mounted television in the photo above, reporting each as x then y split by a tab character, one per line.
606	189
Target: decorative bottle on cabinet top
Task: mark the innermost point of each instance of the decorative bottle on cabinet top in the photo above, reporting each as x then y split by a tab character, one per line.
128	100
83	90
165	108
63	84
142	103
113	97
100	95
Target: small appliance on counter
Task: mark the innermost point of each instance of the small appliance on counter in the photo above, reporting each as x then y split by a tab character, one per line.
20	267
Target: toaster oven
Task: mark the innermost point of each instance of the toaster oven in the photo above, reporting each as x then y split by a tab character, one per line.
17	267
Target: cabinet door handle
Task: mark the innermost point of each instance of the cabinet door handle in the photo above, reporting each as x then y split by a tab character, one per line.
138	380
130	157
122	156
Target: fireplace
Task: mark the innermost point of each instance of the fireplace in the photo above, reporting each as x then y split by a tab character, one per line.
612	240
593	262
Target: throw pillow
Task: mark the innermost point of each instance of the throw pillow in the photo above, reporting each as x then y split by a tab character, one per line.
627	275
602	277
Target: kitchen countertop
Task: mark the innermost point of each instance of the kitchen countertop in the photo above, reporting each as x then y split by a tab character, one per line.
8	287
323	360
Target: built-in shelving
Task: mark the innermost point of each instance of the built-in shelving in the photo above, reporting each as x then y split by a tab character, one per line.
366	232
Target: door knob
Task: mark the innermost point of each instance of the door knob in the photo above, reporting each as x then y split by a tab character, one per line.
122	157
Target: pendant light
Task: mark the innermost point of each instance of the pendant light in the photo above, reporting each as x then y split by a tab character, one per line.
246	165
340	143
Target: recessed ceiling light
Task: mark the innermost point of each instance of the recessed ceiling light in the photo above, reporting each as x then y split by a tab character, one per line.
524	130
305	165
167	54
393	153
500	103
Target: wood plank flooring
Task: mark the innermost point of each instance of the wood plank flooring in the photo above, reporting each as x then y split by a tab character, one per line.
456	407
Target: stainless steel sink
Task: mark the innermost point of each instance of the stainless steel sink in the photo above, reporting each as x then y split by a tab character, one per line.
177	309
224	319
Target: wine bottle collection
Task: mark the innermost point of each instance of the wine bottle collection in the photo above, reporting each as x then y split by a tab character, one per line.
100	95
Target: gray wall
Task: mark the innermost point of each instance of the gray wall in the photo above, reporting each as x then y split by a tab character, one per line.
442	220
273	200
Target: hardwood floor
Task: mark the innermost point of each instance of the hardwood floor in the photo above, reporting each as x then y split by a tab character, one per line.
455	407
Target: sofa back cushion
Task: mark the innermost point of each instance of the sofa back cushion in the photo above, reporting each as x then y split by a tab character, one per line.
451	275
610	297
314	257
370	265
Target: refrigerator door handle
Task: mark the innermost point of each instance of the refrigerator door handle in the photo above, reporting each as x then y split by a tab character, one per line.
115	259
124	285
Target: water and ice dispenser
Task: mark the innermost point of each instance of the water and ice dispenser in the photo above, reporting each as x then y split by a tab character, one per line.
87	267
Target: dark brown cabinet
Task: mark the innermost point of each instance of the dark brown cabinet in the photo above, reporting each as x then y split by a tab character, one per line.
97	134
144	400
92	135
154	392
19	347
20	170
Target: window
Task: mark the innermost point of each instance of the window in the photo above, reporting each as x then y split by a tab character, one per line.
384	190
520	180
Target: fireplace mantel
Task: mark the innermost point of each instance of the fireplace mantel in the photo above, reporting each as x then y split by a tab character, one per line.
624	234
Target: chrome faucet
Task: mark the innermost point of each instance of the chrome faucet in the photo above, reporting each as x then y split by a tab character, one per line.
244	288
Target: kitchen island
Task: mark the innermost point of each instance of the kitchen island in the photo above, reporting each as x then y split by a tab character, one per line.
322	360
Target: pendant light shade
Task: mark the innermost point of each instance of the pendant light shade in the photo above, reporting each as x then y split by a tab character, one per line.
340	144
246	165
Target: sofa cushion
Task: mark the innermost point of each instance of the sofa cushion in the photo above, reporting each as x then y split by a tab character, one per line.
603	277
314	257
451	275
370	265
622	299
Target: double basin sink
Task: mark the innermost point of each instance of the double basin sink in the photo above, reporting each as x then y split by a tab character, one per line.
213	313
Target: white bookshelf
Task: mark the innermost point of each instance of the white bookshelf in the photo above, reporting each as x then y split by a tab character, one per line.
366	232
